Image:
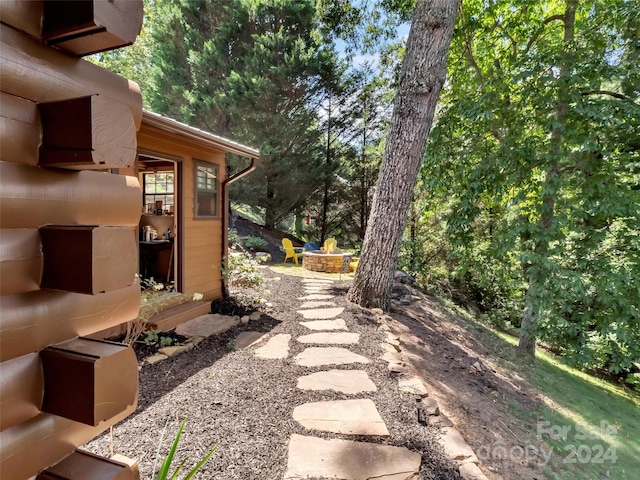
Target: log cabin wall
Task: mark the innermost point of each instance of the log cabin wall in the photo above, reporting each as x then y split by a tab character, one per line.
68	253
201	238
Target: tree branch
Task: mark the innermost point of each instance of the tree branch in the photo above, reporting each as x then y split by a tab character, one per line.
619	96
546	22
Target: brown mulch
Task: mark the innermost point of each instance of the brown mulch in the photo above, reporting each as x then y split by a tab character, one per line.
244	404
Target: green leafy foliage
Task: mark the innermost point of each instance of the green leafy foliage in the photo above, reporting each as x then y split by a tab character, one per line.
255	243
532	178
163	473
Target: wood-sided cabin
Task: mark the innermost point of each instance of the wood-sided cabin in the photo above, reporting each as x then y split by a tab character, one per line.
183	174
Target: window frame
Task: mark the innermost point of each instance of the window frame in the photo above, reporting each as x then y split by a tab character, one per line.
197	189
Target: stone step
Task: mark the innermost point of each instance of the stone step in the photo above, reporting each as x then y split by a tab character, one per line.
317	296
321	313
316	325
331	338
350	417
311	457
276	347
344	381
247	339
316	304
320	356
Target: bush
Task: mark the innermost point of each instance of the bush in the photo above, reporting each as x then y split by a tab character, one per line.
255	243
234	238
242	271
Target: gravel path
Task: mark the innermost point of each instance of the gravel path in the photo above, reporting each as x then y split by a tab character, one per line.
244	404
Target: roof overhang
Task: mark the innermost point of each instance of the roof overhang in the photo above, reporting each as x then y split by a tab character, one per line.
209	139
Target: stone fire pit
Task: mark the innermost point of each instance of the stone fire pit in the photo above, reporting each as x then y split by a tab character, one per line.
320	261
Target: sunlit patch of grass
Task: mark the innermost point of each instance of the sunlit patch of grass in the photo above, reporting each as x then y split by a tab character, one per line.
592	425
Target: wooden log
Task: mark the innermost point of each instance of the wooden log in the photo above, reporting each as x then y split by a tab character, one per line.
43	74
83	27
23	15
21	390
35	320
88	381
87	132
87	259
31	197
19	129
31	446
20	260
87	465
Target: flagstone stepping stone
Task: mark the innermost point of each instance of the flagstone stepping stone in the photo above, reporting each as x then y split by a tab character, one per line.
413	386
316	290
312	457
316	304
317	296
455	447
276	347
351	417
247	339
471	471
207	325
335	324
321	313
317	280
331	338
345	381
319	356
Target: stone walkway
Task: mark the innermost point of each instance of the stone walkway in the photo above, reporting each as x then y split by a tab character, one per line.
327	345
328	340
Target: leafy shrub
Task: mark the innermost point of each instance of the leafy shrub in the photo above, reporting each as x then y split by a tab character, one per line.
255	243
242	271
234	238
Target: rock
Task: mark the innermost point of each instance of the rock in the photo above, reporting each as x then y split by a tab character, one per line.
406	300
400	276
173	350
321	313
397	367
262	256
206	325
156	358
476	368
336	324
244	319
392	357
276	347
350	417
194	340
255	316
312	457
377	311
440	421
345	381
247	339
430	406
455	447
319	356
394	343
331	338
471	471
413	386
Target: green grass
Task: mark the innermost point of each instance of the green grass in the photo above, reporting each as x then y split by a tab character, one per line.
601	421
256	215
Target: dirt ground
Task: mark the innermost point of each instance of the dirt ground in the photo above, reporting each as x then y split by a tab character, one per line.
442	348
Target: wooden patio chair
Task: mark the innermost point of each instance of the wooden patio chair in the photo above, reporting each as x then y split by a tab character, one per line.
290	251
330	245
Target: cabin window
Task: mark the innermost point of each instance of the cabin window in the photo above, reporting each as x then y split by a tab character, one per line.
206	194
158	186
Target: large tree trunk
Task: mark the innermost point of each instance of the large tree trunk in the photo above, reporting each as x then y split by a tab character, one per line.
530	318
423	74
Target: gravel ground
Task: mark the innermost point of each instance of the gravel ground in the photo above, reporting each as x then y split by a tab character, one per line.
244	404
